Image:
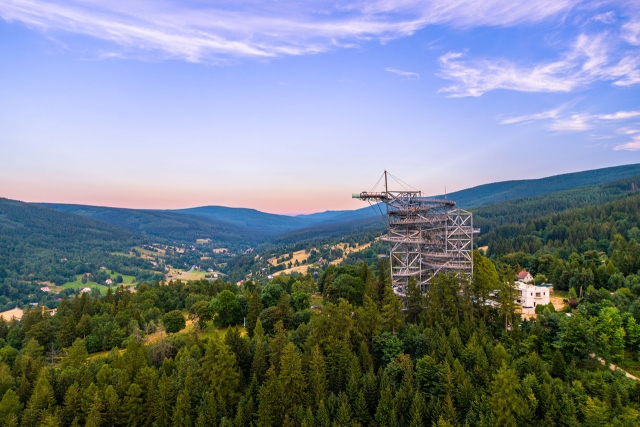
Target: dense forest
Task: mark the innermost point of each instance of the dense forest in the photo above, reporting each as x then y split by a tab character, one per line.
357	358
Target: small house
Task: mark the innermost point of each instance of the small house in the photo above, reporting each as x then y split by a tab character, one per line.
525	276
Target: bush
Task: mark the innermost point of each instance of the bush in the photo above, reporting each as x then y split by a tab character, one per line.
173	321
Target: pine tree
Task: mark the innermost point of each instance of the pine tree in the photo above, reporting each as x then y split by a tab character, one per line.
9	406
220	371
255	308
385	414
317	377
292	380
417	412
322	416
259	365
182	410
132	406
595	412
344	413
391	312
504	397
53	420
162	403
111	406
277	344
72	406
271	401
361	412
94	416
41	402
208	411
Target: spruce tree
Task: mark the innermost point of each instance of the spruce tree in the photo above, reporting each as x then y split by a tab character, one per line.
9	406
182	410
220	371
292	380
162	402
504	397
317	377
322	416
271	401
255	308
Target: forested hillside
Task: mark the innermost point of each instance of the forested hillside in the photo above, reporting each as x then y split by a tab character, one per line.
169	226
360	360
511	190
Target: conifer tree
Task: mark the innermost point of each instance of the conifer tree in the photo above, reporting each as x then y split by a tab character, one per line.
52	420
595	412
111	406
208	411
317	377
182	410
504	398
385	414
259	365
292	380
255	308
162	402
271	401
41	401
219	369
132	405
10	406
391	312
72	406
417	411
322	416
94	416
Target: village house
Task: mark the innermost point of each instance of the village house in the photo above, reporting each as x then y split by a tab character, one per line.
525	276
109	281
530	296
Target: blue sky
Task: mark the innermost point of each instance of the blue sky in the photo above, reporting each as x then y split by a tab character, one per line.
290	107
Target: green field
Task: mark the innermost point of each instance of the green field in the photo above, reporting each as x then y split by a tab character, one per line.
77	284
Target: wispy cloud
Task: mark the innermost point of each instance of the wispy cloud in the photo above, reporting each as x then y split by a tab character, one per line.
591	58
406	74
577	122
207	31
633	145
528	118
620	115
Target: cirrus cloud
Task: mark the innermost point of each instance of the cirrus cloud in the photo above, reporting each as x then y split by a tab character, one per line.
206	31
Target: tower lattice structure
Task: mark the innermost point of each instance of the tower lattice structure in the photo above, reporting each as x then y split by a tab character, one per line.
426	236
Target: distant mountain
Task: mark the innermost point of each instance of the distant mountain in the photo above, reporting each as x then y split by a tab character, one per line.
249	218
168	225
238	227
510	190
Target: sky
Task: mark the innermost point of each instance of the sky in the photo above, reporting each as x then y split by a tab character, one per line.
290	107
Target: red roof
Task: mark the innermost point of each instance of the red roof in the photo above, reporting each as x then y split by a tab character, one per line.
522	274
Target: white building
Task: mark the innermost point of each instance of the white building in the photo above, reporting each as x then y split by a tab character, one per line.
530	296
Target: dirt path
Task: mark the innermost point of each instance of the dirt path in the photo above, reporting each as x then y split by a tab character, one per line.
614	367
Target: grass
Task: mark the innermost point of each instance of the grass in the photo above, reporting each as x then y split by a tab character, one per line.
79	285
177	274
